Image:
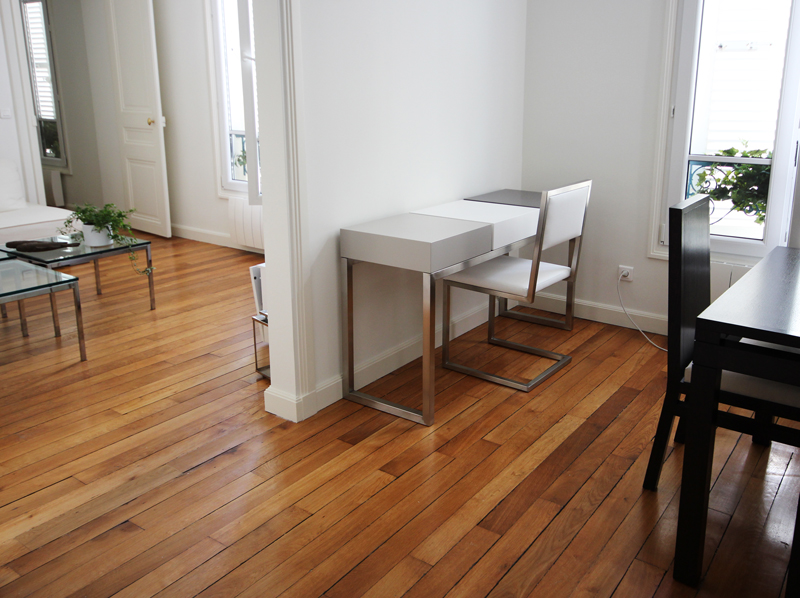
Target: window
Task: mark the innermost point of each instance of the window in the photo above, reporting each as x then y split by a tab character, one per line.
735	129
43	82
236	89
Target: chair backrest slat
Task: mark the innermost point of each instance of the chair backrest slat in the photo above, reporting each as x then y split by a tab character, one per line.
689	279
565	216
562	214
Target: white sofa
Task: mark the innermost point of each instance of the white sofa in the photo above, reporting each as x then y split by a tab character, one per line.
20	219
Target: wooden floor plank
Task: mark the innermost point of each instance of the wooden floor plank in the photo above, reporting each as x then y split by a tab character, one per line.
152	469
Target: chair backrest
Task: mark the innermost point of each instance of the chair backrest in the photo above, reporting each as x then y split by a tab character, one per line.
562	213
689	279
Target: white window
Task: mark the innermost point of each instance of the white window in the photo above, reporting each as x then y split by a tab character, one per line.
236	91
735	119
43	82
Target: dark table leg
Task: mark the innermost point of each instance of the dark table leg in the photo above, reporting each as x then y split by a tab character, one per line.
793	580
701	404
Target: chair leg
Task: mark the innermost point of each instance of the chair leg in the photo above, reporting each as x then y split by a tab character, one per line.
565	324
658	452
680	432
761	435
561	360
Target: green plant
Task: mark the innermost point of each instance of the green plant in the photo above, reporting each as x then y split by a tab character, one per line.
241	160
109	218
746	185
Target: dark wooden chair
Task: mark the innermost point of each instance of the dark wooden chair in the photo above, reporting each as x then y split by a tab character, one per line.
689	295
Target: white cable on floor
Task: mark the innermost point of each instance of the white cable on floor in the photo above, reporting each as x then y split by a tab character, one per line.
619	294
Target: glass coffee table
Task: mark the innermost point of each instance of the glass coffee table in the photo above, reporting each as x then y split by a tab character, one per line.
82	254
20	280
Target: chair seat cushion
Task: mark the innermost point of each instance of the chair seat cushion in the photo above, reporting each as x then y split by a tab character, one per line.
757	388
510	275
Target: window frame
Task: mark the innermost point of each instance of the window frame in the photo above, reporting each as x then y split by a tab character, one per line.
62	162
680	106
228	185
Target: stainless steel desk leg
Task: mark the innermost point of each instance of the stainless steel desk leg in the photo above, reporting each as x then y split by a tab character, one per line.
23	320
348	369
76	294
428	347
97	277
54	311
150	277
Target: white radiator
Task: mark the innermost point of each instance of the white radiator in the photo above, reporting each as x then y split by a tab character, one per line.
245	223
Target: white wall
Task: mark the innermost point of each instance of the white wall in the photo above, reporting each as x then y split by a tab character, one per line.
592	91
98	59
196	209
400	105
9	141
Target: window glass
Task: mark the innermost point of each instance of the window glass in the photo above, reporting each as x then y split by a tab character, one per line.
43	81
236	80
737	97
233	90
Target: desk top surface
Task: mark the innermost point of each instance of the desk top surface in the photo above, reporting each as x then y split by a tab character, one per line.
513	197
438	237
764	304
424	228
478	211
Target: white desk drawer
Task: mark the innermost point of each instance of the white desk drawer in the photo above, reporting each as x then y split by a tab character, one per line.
418	242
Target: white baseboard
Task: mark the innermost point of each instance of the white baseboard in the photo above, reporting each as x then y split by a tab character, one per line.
286	405
605	313
330	391
209	236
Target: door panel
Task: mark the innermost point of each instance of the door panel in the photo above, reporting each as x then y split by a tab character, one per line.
138	95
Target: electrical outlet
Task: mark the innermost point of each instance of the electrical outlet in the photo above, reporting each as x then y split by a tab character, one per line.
621	272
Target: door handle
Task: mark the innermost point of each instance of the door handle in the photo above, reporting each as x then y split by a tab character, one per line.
150	121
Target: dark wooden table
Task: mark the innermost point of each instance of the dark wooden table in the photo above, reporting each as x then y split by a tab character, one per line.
764	305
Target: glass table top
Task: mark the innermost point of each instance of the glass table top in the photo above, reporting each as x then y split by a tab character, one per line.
18	277
68	253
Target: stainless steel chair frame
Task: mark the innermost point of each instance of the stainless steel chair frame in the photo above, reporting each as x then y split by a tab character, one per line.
566	324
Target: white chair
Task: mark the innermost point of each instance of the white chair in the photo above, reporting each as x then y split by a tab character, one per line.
561	217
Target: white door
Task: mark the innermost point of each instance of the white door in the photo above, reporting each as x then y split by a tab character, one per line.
134	65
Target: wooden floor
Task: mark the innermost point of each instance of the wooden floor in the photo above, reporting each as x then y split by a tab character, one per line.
153	470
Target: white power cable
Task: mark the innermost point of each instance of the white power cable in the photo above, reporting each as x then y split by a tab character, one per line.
619	294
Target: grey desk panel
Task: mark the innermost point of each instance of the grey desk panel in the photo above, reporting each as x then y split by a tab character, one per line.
416	242
529	199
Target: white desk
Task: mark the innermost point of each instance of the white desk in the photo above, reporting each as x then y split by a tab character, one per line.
437	242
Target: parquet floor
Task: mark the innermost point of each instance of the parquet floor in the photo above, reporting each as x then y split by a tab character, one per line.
153	470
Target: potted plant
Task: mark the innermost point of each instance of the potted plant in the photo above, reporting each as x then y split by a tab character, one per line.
746	185
101	227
